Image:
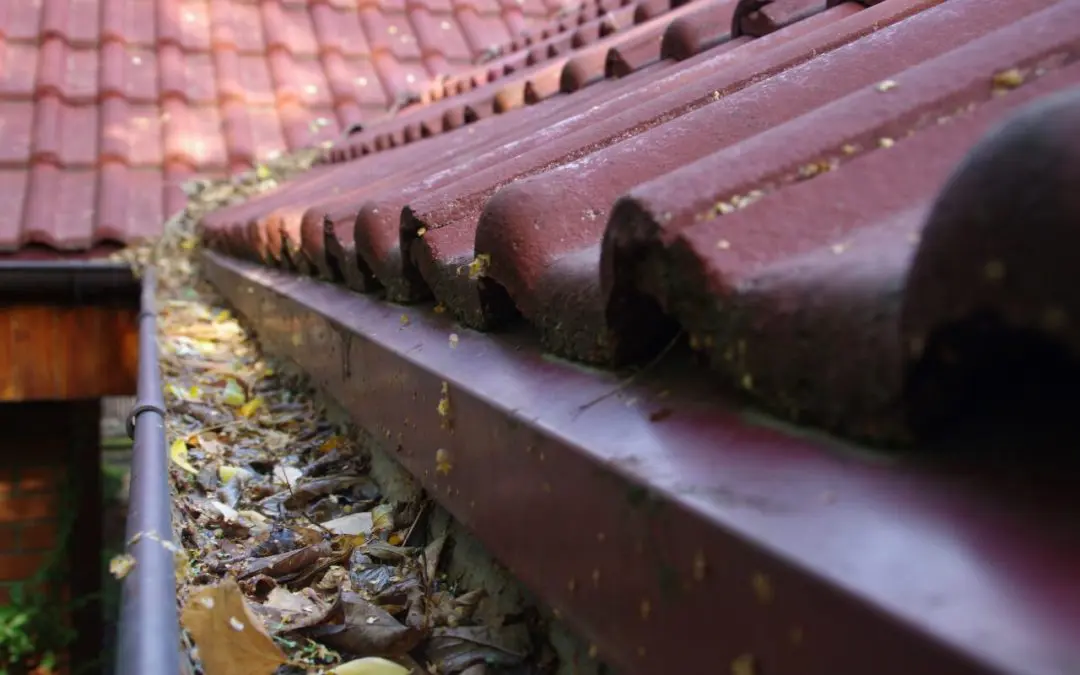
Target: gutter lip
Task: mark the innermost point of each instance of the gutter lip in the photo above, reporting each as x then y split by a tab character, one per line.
69	282
773	520
149	627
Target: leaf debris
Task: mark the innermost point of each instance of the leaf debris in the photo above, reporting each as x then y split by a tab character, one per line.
289	554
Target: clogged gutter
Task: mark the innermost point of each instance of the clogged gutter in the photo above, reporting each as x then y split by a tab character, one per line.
292	559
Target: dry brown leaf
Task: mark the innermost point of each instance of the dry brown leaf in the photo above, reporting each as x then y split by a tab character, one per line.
432	552
288	563
285	611
366	628
455	649
286	601
231	640
309	492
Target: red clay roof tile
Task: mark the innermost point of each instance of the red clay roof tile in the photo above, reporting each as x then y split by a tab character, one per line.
758	170
165	88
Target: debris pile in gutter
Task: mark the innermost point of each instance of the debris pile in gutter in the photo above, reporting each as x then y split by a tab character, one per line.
293	559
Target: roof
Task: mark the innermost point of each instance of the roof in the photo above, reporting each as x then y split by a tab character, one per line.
107	106
755	175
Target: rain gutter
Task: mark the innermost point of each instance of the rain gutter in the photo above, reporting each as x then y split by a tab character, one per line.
149	634
675	527
67	283
149	640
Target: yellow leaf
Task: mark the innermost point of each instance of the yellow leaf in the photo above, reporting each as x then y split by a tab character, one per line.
225	472
249	408
369	665
234	393
194	393
121	564
332	443
355	540
178	454
382	518
231	640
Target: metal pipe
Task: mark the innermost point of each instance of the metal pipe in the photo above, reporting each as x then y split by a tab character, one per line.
149	640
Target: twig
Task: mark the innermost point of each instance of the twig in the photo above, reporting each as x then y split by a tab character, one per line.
419	515
633	376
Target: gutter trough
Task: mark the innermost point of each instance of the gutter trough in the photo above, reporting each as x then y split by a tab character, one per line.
84	369
670	524
149	640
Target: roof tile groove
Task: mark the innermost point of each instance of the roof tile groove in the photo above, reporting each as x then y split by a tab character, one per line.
202	86
588	65
589	188
602	125
841	397
710	189
878	183
379	238
498	94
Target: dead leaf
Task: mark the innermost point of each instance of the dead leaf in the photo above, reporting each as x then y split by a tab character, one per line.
368	576
380	550
287	475
233	394
329	444
318	570
227	512
285	611
431	556
453	650
352	524
121	565
226	473
286	601
178	453
310	491
382	518
365	628
288	563
231	640
251	407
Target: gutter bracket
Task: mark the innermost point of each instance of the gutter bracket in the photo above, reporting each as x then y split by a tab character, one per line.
138	410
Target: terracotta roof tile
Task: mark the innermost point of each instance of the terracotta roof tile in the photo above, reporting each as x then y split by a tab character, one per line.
16	131
743	172
94	93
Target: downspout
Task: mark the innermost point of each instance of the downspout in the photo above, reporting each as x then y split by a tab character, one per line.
149	640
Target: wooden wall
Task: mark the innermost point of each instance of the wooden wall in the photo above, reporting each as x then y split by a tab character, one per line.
67	352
